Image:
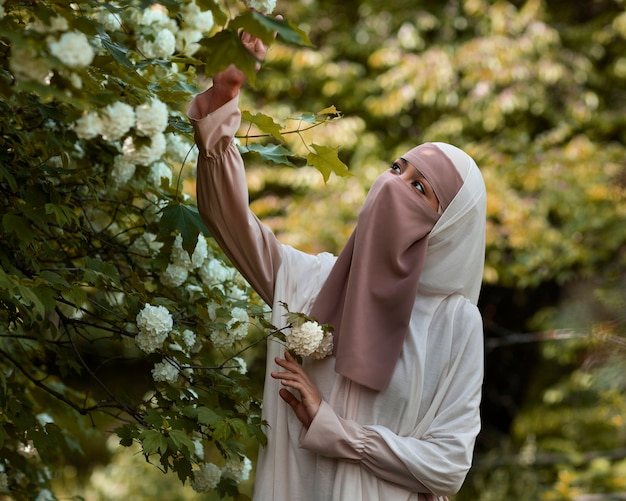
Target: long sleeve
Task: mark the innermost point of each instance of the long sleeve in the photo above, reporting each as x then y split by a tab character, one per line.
435	460
332	436
222	195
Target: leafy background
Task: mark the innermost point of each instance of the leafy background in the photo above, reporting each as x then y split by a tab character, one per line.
533	90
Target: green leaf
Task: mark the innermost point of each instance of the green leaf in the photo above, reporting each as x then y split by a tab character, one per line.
225	48
207	416
63	214
103	269
6	174
181	440
269	152
326	160
20	226
117	51
184	219
153	441
265	27
221	430
265	123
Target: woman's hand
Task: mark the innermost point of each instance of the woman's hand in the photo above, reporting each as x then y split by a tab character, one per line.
227	83
310	399
232	78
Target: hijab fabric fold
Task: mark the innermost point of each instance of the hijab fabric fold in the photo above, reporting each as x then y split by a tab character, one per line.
369	294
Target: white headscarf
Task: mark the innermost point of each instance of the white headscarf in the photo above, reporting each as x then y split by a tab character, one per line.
456	247
369	294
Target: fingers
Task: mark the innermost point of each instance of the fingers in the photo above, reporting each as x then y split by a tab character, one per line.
289	397
289	363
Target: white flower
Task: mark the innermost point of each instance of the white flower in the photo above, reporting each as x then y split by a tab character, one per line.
44	418
237	292
4	482
242	366
154	323
45	495
88	126
264	6
164	44
200	253
238	468
198	448
25	65
214	272
238	324
117	119
164	371
212	310
159	171
178	148
146	153
72	49
186	41
151	117
110	21
174	275
146	244
180	256
189	338
58	23
153	17
123	170
221	339
197	19
305	339
325	348
206	478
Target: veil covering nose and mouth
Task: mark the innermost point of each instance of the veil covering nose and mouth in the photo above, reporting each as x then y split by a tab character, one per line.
399	249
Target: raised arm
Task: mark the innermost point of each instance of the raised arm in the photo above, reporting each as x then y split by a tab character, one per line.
222	191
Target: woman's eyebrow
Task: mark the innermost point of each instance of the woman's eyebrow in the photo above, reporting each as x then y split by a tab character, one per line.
405	163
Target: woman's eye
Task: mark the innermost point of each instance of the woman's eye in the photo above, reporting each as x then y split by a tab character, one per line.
396	167
419	187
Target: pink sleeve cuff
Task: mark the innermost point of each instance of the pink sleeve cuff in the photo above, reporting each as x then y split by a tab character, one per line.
215	131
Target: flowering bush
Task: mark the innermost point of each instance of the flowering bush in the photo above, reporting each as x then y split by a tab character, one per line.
104	257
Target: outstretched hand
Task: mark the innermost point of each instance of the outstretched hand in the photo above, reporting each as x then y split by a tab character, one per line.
233	77
227	83
307	406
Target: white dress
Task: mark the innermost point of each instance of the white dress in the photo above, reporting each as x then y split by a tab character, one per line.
412	441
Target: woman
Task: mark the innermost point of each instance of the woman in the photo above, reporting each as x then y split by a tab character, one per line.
394	413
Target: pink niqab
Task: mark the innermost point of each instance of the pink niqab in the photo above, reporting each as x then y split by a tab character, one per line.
369	294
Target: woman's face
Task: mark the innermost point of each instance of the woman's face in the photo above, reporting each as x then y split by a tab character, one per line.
414	179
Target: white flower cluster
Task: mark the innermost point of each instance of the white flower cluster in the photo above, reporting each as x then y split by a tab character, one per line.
165	371
154	323
25	64
144	246
151	117
181	264
264	6
180	150
206	478
236	329
309	339
116	121
238	468
242	366
159	36
72	49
